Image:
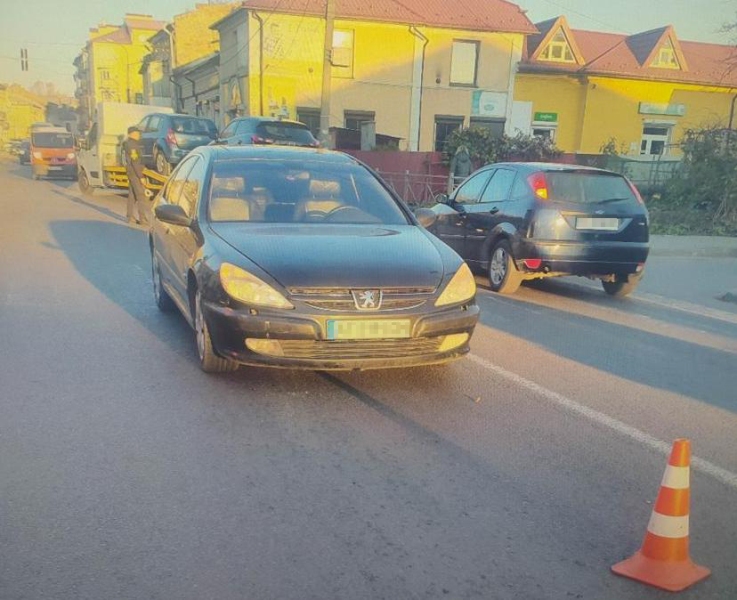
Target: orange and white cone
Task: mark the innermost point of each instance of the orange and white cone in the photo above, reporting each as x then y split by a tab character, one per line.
663	561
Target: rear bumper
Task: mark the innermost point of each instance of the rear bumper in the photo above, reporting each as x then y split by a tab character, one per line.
302	342
571	258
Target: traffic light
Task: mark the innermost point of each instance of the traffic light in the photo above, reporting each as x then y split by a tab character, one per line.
24	59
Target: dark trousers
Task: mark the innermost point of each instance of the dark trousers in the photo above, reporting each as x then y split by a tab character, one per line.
136	208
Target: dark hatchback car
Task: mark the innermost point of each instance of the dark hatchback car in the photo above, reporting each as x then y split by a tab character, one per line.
519	221
302	258
168	138
24	152
267	130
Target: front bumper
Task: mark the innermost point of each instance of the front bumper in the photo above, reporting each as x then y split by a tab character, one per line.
55	169
586	259
302	339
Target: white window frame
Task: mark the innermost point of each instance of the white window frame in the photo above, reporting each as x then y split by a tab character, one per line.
649	138
457	68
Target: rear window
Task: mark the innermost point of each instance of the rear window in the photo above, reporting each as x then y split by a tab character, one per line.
52	140
194	126
587	188
291	191
286	133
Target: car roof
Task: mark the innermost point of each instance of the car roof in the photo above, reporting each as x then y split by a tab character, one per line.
269	120
530	167
217	153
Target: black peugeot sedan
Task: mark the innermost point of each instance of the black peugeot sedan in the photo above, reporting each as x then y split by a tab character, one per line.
303	258
266	131
519	221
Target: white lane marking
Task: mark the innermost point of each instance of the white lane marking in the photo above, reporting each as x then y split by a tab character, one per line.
668	527
704	466
687	307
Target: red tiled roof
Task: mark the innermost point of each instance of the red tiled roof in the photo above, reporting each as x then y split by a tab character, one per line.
627	56
475	15
143	23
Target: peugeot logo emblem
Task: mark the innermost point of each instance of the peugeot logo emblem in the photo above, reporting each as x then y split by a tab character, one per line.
367	299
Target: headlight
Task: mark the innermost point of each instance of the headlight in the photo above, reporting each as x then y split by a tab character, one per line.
462	287
70	156
243	286
38	155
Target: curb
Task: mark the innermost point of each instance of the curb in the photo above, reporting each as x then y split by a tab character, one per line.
693	246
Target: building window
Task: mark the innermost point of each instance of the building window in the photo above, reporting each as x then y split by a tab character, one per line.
444	126
354	118
104	75
464	62
558	49
342	54
655	139
666	57
546	131
311	118
494	126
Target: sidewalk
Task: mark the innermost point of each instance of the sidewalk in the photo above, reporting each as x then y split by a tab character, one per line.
693	246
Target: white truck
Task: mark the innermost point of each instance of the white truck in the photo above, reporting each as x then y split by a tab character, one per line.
100	158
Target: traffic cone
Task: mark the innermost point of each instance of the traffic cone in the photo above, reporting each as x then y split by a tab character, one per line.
663	560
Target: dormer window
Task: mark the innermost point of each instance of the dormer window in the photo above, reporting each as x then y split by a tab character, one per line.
666	57
558	49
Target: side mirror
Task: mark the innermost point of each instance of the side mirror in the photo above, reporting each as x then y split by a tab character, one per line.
172	214
426	217
442	198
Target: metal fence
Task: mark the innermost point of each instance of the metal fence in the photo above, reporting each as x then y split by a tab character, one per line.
416	189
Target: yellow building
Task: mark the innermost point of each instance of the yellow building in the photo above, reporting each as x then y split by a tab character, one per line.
405	70
185	41
19	109
637	93
108	67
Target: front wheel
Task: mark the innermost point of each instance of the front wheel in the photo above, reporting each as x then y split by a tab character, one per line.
504	278
623	285
209	361
84	183
161	296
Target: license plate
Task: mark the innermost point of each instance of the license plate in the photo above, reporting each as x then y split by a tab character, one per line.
368	329
54	168
605	223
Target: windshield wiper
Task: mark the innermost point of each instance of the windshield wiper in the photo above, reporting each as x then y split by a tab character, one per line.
608	200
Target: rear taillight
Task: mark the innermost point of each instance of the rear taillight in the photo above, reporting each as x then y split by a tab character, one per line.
533	263
635	192
539	185
171	138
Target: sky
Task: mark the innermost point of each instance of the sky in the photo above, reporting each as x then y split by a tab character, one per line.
54	32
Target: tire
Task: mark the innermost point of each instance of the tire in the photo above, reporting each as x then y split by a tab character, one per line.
162	165
209	361
504	278
623	286
161	297
84	183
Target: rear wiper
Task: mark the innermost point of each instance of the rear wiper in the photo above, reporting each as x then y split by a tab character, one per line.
608	200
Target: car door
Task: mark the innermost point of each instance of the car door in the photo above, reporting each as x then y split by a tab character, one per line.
149	139
184	241
488	213
450	224
164	234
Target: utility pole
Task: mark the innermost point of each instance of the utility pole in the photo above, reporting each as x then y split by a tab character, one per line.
327	73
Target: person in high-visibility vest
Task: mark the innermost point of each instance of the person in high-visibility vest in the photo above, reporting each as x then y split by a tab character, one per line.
136	208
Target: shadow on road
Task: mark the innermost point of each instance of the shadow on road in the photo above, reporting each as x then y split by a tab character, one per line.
93	205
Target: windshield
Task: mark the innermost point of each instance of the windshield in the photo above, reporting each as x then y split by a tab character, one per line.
290	191
587	187
52	140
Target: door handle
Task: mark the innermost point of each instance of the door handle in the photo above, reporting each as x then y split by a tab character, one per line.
494	210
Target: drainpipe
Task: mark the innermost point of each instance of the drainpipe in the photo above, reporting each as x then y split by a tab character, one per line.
194	93
731	118
418	76
177	94
260	62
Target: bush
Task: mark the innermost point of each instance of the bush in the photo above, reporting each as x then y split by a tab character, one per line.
485	148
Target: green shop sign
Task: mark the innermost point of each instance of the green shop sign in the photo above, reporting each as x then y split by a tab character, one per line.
546	117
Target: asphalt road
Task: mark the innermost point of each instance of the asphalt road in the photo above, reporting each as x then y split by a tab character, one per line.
524	471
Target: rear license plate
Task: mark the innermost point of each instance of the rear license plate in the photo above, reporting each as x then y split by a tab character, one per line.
54	168
605	223
368	329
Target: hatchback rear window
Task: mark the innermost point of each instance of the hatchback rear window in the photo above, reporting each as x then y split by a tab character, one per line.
285	133
587	188
194	126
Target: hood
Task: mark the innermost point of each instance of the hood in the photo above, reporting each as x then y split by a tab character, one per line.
353	256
